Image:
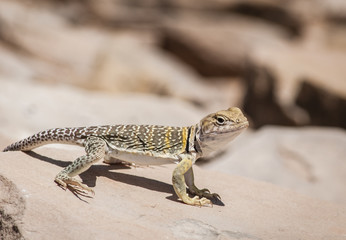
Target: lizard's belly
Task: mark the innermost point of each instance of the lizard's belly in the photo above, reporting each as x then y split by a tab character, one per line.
142	158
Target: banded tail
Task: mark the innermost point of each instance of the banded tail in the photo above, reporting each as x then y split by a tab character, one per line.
55	135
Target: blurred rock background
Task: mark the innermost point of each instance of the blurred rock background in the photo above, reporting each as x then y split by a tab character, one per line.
76	63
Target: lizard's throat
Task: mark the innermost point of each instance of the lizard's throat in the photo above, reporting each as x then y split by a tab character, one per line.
208	143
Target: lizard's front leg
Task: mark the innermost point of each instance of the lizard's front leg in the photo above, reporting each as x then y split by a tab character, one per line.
190	182
95	150
179	183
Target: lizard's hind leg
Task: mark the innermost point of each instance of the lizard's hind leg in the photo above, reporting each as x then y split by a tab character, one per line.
95	148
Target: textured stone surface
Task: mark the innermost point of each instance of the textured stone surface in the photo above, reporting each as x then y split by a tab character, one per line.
217	46
114	49
323	107
121	62
139	203
37	107
271	11
129	65
117	46
309	160
260	101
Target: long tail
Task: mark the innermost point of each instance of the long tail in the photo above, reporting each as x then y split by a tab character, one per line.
55	135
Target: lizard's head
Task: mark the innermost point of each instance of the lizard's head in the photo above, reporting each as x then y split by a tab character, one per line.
217	129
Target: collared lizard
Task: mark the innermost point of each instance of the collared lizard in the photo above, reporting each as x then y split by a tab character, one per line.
147	145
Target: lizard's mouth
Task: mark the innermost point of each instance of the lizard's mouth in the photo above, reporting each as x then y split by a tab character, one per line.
231	129
241	125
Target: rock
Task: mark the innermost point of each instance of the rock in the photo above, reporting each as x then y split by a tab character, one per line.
115	13
336	36
37	107
260	102
323	107
208	61
44	45
310	160
317	106
124	61
12	206
222	45
129	65
313	59
216	46
138	203
334	11
50	49
271	11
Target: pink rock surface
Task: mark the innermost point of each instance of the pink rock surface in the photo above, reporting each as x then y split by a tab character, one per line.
139	203
309	160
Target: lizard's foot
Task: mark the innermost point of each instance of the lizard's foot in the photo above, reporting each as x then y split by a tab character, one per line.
197	201
204	193
74	185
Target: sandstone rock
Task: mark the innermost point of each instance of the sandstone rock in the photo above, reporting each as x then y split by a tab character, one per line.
208	62
51	49
216	46
334	10
271	11
37	107
138	203
323	107
128	65
125	61
222	45
39	44
117	13
312	59
42	42
336	36
260	101
12	207
308	160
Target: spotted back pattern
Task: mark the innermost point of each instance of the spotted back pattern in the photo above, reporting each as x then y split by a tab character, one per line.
160	139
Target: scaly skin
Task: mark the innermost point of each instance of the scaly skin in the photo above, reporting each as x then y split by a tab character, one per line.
144	144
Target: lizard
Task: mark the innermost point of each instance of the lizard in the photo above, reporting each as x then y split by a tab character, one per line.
144	145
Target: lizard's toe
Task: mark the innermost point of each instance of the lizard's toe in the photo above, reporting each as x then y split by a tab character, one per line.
204	190
205	193
197	201
61	183
74	185
80	187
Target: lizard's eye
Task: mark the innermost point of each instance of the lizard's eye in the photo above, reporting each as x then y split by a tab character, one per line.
220	120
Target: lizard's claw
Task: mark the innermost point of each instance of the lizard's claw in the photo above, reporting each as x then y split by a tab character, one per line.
205	190
204	193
